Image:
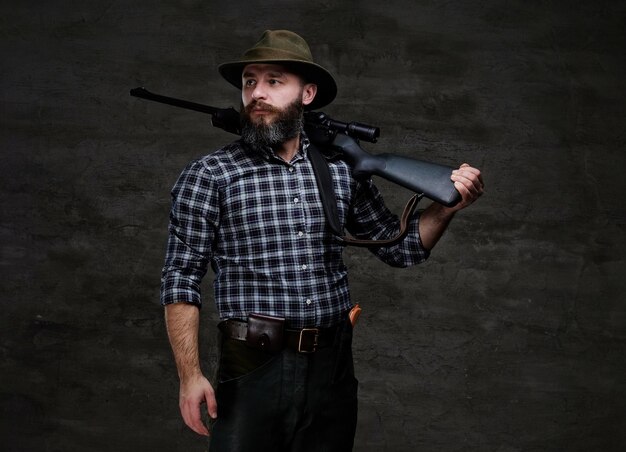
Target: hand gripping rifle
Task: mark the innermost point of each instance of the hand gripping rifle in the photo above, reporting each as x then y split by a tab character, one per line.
428	179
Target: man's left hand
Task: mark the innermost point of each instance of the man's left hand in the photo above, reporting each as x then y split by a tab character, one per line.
469	183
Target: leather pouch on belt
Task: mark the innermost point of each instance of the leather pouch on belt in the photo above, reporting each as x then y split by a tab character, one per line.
265	332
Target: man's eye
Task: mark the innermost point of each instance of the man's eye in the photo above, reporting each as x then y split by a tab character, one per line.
274	82
249	82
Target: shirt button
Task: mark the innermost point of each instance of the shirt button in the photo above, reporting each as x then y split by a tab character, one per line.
308	301
300	233
304	267
291	169
295	200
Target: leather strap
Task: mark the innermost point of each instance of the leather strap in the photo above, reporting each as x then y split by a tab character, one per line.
329	201
404	228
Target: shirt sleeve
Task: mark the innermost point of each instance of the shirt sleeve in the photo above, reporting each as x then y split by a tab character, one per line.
369	218
194	217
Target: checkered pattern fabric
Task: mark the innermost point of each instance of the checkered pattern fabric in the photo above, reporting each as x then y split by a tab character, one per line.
259	222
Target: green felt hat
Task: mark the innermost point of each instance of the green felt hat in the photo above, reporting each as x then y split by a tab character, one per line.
290	50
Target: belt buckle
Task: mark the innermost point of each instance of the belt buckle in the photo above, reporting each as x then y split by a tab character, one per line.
307	343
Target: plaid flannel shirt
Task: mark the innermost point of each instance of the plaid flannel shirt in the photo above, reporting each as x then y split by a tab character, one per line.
259	222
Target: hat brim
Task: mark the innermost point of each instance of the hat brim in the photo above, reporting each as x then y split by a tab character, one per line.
311	72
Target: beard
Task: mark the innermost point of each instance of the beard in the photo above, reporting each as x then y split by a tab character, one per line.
287	124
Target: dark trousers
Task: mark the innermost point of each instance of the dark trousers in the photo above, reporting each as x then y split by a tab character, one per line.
286	401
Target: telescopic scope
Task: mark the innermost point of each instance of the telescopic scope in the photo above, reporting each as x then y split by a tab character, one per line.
356	130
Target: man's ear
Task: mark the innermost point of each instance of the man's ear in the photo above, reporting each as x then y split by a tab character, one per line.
308	93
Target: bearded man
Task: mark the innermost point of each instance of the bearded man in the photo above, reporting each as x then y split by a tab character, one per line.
252	210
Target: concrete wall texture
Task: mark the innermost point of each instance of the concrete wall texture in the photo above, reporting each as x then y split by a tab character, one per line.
510	338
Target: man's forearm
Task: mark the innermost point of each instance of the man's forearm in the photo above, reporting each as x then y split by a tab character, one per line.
433	223
182	321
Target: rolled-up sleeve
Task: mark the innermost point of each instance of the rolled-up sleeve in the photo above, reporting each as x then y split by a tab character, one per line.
194	217
370	219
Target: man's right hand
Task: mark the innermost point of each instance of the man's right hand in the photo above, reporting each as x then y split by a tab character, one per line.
195	391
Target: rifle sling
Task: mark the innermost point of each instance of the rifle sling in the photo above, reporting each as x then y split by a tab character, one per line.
325	188
329	202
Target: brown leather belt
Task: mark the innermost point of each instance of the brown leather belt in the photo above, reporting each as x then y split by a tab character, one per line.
305	340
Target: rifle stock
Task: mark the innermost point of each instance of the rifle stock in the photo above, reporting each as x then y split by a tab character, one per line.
430	179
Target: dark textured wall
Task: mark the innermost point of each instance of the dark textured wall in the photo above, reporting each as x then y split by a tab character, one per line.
511	338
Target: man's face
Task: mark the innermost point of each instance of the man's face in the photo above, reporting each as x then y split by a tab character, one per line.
273	100
267	88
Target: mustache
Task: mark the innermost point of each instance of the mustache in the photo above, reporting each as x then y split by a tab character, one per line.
260	105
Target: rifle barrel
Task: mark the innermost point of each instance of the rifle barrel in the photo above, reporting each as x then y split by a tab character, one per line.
145	94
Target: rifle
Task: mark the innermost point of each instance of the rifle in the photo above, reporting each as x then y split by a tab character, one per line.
430	179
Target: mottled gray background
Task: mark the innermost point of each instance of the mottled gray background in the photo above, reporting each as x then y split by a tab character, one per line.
511	338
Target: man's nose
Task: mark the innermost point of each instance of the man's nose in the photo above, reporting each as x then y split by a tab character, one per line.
259	92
